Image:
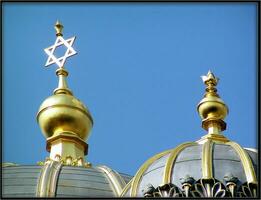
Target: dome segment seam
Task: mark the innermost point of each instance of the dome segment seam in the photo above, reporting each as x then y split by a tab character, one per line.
168	170
47	182
246	162
116	180
125	189
143	168
207	155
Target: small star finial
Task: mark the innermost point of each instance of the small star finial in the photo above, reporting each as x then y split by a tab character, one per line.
210	79
59	28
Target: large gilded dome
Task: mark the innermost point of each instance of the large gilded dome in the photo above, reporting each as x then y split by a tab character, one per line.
213	166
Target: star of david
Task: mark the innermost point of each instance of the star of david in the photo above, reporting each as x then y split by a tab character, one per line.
61	60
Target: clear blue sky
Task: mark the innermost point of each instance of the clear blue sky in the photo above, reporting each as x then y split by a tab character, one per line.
138	71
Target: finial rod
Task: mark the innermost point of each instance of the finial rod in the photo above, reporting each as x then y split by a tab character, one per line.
62	84
59	28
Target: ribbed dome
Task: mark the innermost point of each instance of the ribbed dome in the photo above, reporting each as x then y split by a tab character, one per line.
196	160
55	180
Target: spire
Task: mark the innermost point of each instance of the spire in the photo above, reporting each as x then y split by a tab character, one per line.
52	59
63	119
59	28
212	109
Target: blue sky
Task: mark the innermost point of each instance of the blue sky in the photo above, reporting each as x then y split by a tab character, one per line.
138	71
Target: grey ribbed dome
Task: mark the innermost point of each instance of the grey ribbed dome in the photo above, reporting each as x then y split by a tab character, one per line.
226	160
24	181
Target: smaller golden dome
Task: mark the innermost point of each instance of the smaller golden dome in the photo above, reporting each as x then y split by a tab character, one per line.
64	113
211	107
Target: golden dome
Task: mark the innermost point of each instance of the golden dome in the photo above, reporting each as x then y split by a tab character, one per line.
212	107
64	113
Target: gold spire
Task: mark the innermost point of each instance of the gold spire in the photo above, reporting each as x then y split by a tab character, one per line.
61	72
63	119
52	59
59	28
62	84
212	108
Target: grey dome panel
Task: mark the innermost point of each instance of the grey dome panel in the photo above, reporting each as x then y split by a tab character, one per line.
126	177
83	182
224	167
20	181
226	160
222	151
153	177
153	174
254	158
188	162
190	153
189	167
159	163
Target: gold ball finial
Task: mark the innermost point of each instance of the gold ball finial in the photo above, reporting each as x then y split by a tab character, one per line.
212	109
59	28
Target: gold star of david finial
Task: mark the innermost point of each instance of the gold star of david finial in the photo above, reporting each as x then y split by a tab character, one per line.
60	41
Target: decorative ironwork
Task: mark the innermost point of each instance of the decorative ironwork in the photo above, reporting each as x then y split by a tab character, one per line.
247	190
148	192
204	188
232	183
209	188
167	190
187	183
